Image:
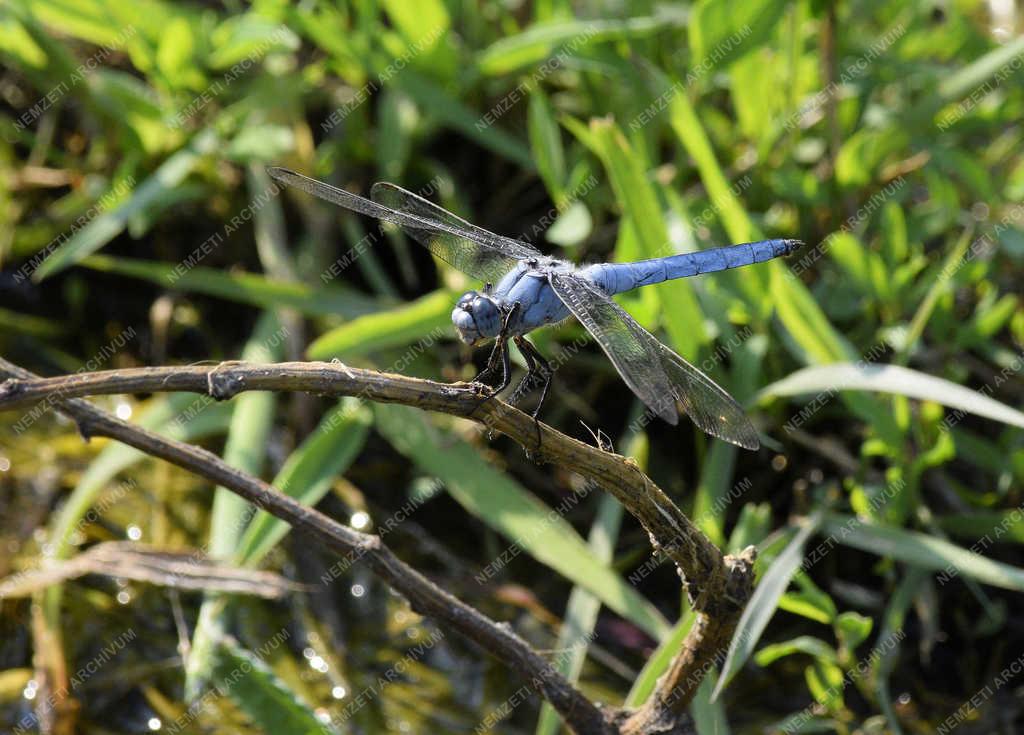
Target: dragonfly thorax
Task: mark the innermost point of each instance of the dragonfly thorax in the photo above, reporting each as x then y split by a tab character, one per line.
476	316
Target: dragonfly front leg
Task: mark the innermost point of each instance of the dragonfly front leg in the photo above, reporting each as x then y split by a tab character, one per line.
499	354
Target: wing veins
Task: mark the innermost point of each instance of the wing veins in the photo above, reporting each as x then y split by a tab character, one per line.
703	400
474	250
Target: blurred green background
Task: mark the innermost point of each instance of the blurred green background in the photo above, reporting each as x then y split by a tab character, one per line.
882	364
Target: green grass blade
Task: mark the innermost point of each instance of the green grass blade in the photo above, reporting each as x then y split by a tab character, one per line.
979	71
627	171
713	495
687	126
308	472
721	31
659	661
245	288
428	316
247	440
546	144
708	714
938	287
582	609
245	449
763	603
540	41
1005	526
266	699
922	550
896	380
449	110
109	225
181	416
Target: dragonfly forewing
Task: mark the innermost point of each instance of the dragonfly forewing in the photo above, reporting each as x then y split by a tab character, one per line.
473	250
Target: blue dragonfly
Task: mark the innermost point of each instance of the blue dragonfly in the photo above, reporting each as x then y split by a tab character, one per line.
526	289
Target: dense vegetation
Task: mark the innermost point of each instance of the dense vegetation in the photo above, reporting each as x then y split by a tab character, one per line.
882	363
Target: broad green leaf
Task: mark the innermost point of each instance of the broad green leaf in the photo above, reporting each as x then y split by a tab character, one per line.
922	550
420	22
18	43
263	143
808	605
108	225
174	52
245	288
508	508
762	604
423	322
896	380
572	227
243	39
895	245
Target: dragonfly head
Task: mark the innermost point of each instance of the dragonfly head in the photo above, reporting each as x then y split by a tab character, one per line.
476	317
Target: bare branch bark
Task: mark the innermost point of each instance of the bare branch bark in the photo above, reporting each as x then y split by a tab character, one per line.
423	595
718	586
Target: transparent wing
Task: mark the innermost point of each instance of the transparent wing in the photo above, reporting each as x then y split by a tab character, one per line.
659	377
474	251
469	248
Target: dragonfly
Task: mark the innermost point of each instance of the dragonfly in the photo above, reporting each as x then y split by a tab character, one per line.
525	290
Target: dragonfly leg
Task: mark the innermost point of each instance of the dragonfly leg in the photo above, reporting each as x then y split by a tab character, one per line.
499	353
539	373
539	368
492	363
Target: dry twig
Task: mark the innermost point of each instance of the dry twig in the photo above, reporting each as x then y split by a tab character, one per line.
718	585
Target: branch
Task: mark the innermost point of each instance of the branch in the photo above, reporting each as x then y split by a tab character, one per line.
718	586
424	596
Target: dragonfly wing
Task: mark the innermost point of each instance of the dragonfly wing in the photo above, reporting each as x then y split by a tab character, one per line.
704	401
458	242
660	378
624	345
473	250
